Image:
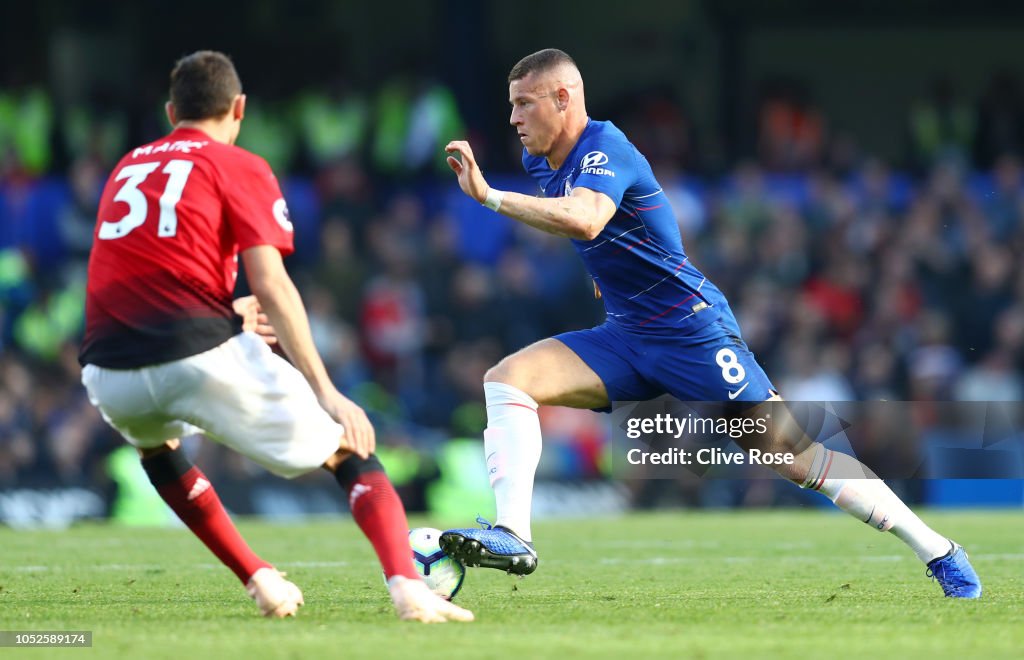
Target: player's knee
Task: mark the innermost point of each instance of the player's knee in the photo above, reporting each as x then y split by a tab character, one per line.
509	372
503	372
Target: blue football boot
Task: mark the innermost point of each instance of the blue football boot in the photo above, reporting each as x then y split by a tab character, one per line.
955	574
490	547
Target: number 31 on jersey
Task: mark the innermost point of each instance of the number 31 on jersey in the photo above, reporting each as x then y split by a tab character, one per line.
138	205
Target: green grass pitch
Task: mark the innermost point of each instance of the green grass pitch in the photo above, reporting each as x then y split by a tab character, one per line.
699	585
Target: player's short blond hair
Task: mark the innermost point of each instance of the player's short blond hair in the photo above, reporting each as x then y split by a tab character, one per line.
540	62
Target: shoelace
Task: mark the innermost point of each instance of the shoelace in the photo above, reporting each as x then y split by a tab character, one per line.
949	572
483	522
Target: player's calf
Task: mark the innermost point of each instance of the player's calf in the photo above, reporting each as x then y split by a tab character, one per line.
859	492
191	496
855	489
377	509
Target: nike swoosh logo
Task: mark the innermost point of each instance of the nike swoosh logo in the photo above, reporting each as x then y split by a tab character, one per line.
733	395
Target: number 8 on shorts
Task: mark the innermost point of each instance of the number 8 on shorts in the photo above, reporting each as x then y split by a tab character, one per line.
732	370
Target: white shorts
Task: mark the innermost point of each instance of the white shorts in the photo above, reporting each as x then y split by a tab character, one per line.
239	394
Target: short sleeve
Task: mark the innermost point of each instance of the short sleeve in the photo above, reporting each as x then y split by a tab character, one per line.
606	165
254	206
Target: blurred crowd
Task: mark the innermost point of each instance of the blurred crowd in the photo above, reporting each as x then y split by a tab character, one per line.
850	279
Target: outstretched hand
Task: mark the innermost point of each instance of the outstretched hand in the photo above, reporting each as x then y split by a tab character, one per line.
471	180
253	318
359	437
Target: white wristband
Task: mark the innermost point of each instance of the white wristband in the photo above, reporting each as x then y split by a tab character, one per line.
494	198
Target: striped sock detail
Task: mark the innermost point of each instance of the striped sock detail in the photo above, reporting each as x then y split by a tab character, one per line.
521	405
819	468
824	471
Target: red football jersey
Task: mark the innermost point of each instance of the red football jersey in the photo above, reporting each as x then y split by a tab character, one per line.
173	217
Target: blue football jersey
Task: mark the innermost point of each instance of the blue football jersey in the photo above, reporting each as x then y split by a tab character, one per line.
646	281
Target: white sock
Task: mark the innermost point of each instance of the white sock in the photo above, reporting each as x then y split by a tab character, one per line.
857	491
512	444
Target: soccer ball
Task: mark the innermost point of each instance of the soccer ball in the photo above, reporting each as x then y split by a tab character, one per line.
442	574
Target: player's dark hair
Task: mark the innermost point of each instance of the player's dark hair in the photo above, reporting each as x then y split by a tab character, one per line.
203	85
542	60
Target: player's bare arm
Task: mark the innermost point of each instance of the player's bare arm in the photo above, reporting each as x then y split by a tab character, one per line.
283	306
582	215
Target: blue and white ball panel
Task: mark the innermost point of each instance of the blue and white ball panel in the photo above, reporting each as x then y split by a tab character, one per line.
440	572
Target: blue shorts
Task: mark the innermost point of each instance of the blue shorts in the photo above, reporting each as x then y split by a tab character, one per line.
711	364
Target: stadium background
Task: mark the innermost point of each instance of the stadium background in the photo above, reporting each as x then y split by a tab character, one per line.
849	175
